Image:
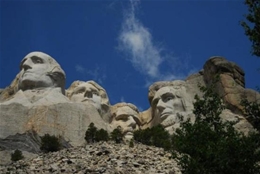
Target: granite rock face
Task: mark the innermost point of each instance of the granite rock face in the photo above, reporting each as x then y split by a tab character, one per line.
66	119
231	85
37	101
179	95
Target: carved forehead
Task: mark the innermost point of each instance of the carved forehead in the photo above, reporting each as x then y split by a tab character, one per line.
125	109
167	90
86	86
45	57
127	106
177	84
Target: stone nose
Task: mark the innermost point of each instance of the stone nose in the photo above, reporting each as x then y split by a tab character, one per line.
88	93
27	65
160	105
131	122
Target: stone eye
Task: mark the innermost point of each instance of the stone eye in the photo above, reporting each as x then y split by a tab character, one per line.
95	93
169	98
36	60
80	91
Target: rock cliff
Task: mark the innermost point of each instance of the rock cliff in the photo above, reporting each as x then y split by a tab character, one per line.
36	101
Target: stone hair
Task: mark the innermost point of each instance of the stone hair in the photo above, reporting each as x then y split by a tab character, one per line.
118	105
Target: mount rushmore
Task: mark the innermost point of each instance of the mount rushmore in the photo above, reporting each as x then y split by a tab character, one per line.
37	100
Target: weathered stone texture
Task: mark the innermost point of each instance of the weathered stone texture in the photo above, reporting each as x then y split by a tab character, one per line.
104	157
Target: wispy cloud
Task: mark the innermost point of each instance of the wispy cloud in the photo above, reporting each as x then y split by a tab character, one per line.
148	58
122	99
96	74
80	69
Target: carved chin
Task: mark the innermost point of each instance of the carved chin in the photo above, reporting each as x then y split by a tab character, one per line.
29	83
128	135
168	123
25	84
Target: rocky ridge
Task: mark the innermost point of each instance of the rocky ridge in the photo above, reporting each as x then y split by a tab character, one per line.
102	157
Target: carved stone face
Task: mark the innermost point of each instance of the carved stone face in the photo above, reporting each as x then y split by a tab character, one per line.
127	119
33	72
167	102
39	70
86	92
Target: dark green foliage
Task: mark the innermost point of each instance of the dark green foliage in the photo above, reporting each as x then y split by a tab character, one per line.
102	135
252	28
131	143
143	136
50	143
90	135
252	111
17	155
117	135
93	135
212	146
156	136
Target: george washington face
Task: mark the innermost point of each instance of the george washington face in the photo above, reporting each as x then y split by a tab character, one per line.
33	71
39	70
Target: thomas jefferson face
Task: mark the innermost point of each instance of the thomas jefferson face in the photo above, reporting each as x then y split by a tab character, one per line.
86	92
34	71
167	102
127	119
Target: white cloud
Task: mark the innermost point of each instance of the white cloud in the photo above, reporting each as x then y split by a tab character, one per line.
80	69
136	40
147	58
122	99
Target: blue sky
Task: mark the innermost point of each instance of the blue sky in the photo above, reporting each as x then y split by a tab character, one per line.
125	45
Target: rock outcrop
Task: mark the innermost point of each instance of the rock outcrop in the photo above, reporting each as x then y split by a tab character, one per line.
37	101
103	157
230	86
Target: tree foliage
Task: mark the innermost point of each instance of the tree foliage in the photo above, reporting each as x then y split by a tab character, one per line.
93	135
212	146
50	143
90	135
252	111
17	155
155	136
117	135
102	135
252	27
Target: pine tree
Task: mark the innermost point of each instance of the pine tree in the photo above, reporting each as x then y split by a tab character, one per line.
17	155
213	146
90	135
117	135
50	143
252	26
102	135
